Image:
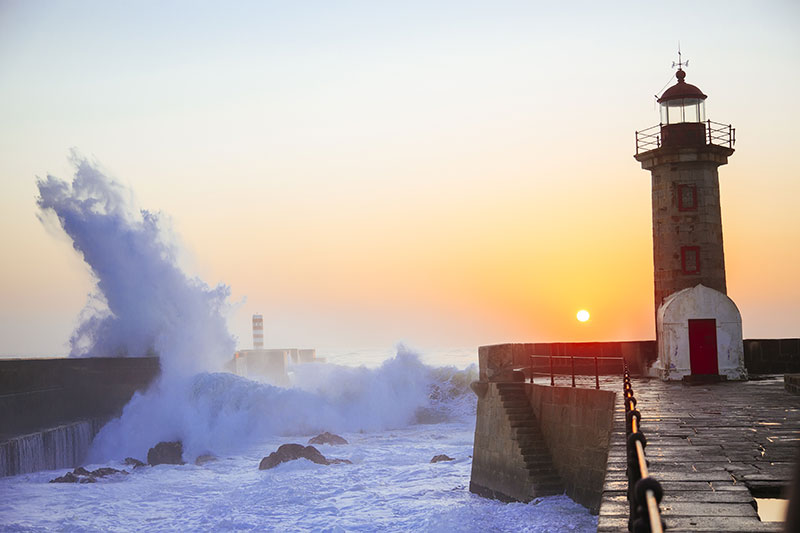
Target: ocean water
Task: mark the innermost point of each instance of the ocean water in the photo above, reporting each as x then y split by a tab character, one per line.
397	410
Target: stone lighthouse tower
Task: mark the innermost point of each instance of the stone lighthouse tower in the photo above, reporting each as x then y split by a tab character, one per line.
698	327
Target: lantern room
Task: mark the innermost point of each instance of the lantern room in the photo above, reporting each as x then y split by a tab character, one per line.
683	114
682	102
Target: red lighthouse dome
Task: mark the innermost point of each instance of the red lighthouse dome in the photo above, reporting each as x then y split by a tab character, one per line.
683	112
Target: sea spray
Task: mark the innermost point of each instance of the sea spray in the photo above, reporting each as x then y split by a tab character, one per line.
143	302
223	414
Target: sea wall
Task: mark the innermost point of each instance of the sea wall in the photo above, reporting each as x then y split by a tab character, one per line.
498	360
40	394
576	424
772	356
60	447
498	467
761	356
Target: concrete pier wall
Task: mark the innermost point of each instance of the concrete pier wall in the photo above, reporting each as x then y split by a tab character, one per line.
498	466
496	361
575	425
761	356
39	394
772	356
64	446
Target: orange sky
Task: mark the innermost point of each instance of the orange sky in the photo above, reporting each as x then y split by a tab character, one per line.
360	174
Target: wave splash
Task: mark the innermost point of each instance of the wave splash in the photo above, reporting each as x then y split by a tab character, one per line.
223	413
143	303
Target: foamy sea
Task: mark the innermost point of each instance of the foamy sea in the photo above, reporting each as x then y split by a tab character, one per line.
396	411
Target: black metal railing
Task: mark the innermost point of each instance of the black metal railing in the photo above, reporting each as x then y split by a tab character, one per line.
648	139
644	492
549	370
716	133
720	134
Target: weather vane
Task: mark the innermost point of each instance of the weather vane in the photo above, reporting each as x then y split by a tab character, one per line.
680	64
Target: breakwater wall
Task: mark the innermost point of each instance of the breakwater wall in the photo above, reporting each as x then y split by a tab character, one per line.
569	431
64	446
51	408
772	356
38	394
497	361
761	356
526	434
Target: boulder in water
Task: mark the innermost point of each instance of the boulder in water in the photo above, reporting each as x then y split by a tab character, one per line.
69	477
290	452
442	457
328	438
135	463
106	471
166	453
81	475
205	458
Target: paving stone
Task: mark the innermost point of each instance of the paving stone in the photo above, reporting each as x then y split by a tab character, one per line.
708	446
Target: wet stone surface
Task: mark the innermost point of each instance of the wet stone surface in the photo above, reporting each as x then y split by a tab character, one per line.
711	447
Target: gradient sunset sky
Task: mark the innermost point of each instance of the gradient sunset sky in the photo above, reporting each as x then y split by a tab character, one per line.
361	173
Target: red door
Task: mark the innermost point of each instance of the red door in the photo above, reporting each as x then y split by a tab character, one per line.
703	346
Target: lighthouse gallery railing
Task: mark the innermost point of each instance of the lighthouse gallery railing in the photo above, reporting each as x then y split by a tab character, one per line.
716	133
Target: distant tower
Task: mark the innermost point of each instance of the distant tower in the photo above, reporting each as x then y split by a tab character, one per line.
698	328
258	332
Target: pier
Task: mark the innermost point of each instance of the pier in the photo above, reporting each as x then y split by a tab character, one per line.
713	447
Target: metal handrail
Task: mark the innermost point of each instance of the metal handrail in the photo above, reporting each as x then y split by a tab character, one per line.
648	139
572	364
639	479
717	133
724	133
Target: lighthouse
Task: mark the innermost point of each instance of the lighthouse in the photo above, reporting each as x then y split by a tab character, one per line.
698	327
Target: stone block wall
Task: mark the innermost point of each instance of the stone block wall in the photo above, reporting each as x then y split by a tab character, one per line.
37	394
496	361
791	382
498	469
576	424
576	427
772	356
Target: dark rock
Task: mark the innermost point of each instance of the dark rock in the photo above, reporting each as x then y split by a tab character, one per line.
328	438
438	458
205	458
81	475
166	453
290	452
135	463
106	471
340	462
69	477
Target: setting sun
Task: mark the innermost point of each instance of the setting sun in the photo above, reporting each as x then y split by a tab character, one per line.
583	315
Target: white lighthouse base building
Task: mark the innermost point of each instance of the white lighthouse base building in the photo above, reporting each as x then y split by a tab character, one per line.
699	335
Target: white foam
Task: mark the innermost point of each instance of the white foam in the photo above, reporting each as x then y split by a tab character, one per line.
392	486
223	413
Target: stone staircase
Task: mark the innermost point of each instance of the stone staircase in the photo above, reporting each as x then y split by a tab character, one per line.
527	434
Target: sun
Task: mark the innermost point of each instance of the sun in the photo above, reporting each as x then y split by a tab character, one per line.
583	315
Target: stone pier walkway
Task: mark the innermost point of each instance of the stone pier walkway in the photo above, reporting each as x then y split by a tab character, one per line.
712	447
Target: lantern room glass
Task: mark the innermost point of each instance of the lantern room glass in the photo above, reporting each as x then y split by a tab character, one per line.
683	110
